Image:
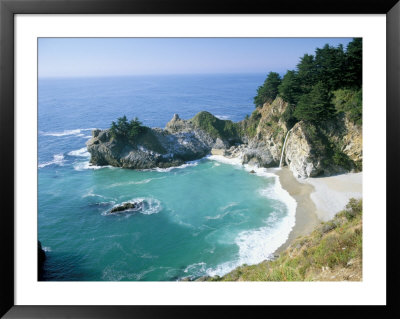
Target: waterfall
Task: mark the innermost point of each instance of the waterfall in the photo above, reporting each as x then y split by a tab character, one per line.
283	148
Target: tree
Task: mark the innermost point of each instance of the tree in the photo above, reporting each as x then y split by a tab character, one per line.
306	73
349	101
330	66
123	125
125	129
269	90
315	106
135	128
289	89
354	63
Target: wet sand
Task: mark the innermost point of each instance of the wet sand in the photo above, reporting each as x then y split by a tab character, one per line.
306	218
318	199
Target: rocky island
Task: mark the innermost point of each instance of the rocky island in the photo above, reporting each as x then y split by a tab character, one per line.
328	148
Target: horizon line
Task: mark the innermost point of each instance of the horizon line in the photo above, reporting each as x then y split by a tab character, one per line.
151	74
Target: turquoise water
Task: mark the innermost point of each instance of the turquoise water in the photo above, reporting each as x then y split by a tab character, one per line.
202	218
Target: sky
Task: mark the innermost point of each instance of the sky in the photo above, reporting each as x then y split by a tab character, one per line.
100	57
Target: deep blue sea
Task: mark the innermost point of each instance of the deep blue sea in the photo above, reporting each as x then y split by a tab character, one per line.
202	218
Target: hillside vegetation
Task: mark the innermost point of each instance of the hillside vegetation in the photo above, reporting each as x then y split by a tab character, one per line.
223	129
321	87
332	252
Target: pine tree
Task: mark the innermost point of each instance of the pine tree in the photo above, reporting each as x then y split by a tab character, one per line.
315	106
269	90
289	89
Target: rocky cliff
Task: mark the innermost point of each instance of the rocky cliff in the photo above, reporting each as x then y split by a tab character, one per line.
180	141
325	148
310	150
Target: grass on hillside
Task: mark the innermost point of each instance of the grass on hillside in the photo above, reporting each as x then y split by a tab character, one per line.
333	251
224	129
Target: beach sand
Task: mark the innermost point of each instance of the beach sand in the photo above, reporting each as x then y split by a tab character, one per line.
318	199
333	193
306	218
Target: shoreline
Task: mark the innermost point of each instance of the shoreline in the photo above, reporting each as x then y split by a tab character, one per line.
306	218
318	199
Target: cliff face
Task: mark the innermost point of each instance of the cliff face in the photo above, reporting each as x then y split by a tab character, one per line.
330	148
310	150
265	132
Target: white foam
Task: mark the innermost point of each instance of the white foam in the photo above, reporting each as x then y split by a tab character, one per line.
145	181
259	244
58	159
236	161
77	132
224	209
196	269
82	152
150	206
47	249
80	166
168	169
91	194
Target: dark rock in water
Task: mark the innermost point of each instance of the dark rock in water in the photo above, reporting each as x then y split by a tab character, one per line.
252	172
41	259
41	253
125	206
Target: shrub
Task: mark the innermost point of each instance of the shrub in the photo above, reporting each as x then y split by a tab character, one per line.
223	129
349	102
124	129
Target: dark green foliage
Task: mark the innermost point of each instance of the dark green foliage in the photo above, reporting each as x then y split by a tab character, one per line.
269	90
341	159
319	141
289	89
315	106
330	66
135	128
250	124
328	151
124	129
288	116
306	73
309	89
353	74
349	101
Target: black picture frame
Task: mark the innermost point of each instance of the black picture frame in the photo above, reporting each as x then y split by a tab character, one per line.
8	8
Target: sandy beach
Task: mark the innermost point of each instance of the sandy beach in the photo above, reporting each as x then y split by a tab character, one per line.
318	199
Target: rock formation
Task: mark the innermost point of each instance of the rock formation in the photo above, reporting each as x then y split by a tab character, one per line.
311	150
126	206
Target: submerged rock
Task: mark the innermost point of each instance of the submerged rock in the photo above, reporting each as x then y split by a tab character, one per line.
126	206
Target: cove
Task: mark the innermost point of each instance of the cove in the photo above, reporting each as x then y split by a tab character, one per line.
202	218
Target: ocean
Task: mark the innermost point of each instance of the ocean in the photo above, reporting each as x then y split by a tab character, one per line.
202	218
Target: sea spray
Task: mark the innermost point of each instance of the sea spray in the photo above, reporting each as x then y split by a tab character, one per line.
259	244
